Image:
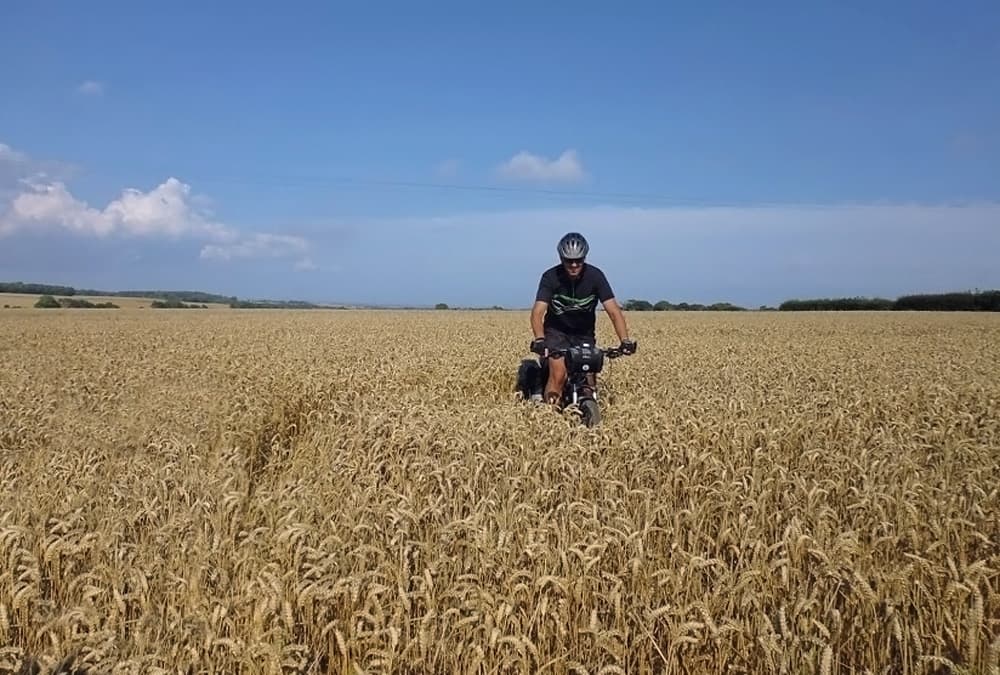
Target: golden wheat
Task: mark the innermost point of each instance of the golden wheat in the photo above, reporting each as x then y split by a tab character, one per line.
348	491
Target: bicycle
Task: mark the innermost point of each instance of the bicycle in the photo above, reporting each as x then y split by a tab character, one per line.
581	361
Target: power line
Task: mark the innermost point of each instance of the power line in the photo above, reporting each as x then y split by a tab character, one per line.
303	180
295	181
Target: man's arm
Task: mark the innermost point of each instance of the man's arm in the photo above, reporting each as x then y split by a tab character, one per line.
538	318
617	317
542	298
607	297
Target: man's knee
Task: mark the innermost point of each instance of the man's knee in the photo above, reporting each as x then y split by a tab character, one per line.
557	368
557	377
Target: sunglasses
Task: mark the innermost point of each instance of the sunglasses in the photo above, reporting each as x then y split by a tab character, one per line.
572	262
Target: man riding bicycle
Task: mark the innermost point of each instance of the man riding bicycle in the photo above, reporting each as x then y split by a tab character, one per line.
565	309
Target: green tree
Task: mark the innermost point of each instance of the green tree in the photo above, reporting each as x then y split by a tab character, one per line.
633	305
441	305
47	301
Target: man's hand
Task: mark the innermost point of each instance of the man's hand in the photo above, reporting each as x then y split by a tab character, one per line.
538	346
629	346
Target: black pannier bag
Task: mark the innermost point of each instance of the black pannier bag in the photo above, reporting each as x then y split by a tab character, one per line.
585	358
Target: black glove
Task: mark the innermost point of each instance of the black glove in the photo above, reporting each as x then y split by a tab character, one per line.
538	346
629	346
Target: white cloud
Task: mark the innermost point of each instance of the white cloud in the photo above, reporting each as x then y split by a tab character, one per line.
527	166
165	210
305	265
169	210
53	204
258	246
91	88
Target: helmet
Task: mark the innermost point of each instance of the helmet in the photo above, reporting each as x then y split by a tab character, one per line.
573	246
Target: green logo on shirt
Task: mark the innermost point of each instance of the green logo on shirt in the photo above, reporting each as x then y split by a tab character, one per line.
564	304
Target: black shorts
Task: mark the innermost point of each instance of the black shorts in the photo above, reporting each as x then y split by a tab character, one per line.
556	339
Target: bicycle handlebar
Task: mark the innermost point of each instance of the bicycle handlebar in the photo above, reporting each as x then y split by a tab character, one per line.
610	352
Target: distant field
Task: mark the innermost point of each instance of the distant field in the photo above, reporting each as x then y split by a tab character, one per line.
351	491
27	301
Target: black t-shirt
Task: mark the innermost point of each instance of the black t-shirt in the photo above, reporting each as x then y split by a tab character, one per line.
573	303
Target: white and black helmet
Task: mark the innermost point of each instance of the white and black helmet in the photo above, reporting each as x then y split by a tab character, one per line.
573	246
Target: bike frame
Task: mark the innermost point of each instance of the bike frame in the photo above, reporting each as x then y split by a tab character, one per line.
577	388
581	361
577	385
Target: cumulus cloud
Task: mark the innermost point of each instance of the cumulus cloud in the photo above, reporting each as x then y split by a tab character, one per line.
91	88
169	210
527	166
165	210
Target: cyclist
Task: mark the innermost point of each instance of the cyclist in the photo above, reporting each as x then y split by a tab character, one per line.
565	309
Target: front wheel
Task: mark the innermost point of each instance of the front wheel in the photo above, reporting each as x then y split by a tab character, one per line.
590	412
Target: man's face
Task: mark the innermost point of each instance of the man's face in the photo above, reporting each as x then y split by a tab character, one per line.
573	267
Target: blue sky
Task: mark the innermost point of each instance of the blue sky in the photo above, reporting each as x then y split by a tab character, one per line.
410	153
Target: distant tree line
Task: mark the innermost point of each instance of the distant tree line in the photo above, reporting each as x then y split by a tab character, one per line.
491	308
175	304
969	301
69	291
50	302
161	299
35	289
274	304
633	305
837	304
182	296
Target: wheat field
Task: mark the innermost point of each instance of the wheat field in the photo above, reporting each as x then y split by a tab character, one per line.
360	492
